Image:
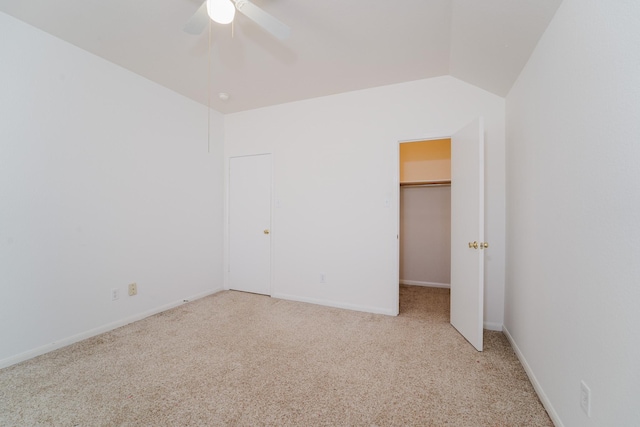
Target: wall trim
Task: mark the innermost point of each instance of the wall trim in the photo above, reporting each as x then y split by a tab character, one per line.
536	385
492	326
12	360
428	284
327	303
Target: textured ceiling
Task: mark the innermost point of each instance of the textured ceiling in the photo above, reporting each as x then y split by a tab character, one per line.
335	45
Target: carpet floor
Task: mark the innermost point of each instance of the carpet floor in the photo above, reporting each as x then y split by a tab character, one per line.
238	359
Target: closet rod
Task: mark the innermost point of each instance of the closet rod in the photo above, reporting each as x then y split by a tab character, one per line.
426	184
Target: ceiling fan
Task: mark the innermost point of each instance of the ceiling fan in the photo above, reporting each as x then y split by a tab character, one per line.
223	11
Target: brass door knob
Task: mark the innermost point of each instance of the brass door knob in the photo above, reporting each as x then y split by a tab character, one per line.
484	245
473	245
266	231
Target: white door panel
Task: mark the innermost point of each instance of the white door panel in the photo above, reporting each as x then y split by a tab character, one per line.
250	223
467	226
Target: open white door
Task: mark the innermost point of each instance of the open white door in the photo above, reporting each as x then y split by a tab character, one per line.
250	223
467	231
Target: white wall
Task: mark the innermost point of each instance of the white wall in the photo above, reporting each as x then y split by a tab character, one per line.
573	193
335	165
105	180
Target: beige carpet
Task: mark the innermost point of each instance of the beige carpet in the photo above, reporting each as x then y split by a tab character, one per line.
237	359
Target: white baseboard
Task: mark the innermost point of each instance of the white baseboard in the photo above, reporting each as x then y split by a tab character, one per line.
376	310
491	326
536	385
97	331
428	284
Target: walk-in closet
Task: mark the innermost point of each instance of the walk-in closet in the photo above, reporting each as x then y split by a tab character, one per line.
425	213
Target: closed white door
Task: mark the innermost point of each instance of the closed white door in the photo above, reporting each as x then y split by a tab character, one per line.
250	223
467	232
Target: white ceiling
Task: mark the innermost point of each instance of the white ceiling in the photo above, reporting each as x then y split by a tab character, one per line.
335	45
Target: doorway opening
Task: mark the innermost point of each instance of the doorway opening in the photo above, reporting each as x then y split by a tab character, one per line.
425	218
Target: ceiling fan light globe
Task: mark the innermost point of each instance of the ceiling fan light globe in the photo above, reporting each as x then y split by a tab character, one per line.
221	11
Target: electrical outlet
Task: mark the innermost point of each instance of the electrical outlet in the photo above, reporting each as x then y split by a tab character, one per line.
133	289
323	278
585	398
115	294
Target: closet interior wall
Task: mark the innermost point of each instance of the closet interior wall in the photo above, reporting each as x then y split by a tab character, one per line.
425	235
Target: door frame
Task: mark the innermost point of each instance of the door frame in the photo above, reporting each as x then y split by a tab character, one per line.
226	215
396	189
396	198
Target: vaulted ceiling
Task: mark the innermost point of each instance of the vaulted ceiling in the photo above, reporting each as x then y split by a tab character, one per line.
335	45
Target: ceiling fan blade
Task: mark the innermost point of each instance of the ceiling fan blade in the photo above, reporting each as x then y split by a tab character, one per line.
198	22
262	18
